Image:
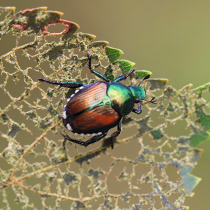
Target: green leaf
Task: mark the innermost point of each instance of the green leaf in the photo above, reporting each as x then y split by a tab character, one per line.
157	134
99	44
198	138
109	72
113	53
142	73
201	88
53	15
203	118
125	65
86	36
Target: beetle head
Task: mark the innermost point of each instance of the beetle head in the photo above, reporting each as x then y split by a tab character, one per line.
139	93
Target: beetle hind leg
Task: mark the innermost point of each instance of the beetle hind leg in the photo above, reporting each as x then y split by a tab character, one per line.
86	143
63	84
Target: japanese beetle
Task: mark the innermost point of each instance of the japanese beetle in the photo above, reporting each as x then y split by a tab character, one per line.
98	107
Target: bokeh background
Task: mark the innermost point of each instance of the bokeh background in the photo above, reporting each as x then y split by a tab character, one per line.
170	38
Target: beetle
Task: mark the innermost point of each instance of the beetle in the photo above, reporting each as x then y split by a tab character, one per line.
98	107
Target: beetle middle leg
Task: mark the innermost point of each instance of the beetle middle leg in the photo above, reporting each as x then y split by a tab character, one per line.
95	72
86	143
115	134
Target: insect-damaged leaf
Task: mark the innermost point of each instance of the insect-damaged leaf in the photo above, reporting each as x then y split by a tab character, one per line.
145	154
198	138
188	180
15	129
203	118
125	65
157	83
142	73
157	134
202	88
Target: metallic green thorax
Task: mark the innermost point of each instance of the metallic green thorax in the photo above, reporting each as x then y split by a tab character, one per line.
121	98
138	93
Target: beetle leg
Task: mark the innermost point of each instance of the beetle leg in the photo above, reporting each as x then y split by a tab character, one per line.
137	111
95	72
115	134
89	141
124	76
63	84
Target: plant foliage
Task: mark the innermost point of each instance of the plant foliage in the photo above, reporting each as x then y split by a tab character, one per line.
150	168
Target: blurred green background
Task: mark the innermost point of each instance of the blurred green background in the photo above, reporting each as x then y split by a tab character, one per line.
170	38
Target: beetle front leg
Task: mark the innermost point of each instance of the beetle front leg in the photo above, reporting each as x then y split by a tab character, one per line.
63	84
124	76
137	111
86	143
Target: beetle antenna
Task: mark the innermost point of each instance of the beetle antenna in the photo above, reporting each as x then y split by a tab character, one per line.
147	77
151	101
